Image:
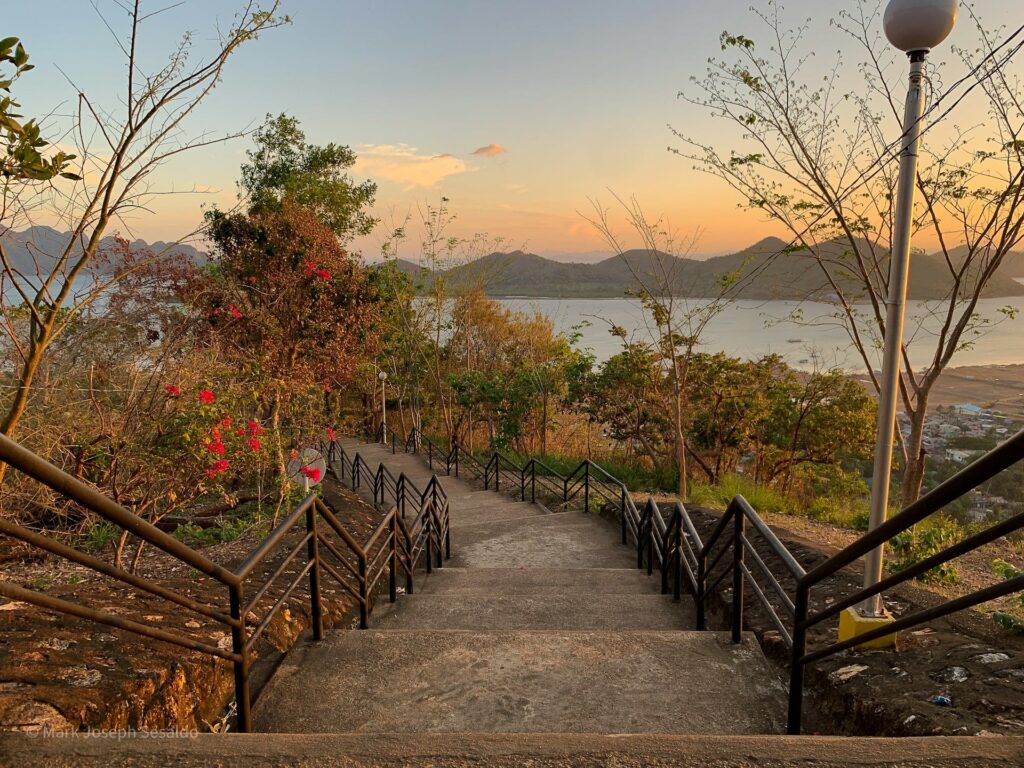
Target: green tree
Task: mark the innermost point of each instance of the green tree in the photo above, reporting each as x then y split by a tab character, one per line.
283	165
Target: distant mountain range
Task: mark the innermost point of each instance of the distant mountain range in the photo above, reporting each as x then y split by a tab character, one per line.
35	250
765	271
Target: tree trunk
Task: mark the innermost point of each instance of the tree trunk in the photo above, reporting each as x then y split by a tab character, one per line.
913	473
21	396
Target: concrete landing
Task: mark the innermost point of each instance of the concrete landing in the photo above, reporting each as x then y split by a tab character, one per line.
505	750
569	539
523	681
547	611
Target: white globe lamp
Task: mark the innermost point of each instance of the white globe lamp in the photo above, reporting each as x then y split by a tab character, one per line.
919	25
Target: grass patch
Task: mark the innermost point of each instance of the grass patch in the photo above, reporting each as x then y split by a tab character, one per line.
760	498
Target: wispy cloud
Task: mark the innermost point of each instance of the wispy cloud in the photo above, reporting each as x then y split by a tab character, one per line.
519	189
403	164
491	150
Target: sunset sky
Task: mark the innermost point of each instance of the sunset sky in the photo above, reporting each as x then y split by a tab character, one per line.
518	112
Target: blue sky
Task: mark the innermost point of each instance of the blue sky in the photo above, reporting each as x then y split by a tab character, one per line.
578	94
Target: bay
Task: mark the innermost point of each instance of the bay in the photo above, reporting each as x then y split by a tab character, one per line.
750	329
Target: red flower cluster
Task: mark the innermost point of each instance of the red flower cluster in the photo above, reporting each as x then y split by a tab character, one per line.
331	434
313	473
218	467
173	390
254	444
234	312
254	428
206	397
310	268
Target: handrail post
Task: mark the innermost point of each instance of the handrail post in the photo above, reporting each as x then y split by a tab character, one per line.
640	532
565	491
622	514
243	700
665	559
796	665
497	473
677	587
313	553
522	484
364	597
702	577
455	450
650	542
737	575
393	575
533	482
428	537
586	487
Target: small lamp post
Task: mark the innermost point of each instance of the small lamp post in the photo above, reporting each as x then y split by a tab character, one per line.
383	377
915	27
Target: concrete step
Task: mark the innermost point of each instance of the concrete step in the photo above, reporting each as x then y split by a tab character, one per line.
500	510
538	581
578	611
564	539
509	750
411	681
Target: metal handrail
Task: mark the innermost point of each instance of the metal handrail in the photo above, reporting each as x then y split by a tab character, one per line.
675	547
390	548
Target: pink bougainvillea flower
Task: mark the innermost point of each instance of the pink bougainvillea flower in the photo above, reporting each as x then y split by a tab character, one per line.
216	311
331	434
254	428
215	433
173	390
254	443
240	431
313	473
234	312
323	274
293	454
216	447
308	268
206	397
218	467
327	388
252	279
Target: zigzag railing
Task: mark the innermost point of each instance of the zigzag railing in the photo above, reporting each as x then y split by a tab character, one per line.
321	543
728	554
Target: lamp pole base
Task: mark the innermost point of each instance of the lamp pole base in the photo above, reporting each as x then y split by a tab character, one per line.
852	623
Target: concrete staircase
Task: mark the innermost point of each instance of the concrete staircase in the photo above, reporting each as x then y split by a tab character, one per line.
538	644
539	623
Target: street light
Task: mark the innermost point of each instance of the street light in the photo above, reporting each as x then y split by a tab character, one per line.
915	27
382	377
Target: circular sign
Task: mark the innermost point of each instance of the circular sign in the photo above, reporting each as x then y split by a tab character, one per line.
307	467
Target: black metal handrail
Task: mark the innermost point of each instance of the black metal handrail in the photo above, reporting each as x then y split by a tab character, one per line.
679	552
393	546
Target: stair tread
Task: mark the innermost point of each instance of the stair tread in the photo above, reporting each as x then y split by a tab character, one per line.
553	681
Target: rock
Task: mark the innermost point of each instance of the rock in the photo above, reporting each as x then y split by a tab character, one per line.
13	605
193	624
991	658
56	644
82	677
845	674
951	675
31	717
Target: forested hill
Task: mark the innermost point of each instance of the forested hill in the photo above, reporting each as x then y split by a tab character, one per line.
765	271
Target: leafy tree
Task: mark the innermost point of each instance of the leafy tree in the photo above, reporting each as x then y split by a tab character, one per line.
284	166
287	302
818	160
22	159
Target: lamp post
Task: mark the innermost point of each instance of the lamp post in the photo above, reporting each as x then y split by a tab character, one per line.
382	377
915	27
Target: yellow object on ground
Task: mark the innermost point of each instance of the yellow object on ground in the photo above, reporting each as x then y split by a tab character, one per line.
853	623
